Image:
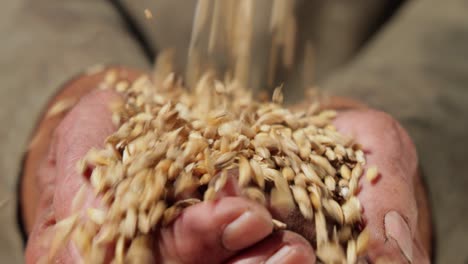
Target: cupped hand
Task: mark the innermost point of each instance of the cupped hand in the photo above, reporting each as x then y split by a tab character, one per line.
232	229
395	206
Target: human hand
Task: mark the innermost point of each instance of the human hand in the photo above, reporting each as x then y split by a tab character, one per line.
203	234
395	206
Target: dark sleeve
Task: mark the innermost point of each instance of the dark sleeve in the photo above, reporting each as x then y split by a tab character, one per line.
417	70
43	44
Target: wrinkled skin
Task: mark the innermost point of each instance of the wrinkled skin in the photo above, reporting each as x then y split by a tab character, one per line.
233	229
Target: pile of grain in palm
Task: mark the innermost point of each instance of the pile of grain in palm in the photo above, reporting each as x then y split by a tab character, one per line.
173	148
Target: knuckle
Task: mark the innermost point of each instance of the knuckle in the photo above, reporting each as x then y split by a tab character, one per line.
394	139
383	122
388	127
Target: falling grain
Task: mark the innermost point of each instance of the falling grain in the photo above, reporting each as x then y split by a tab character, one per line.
148	14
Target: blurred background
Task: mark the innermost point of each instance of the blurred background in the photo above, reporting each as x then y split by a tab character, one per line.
408	58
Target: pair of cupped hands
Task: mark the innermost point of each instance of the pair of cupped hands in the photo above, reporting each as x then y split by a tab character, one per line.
230	229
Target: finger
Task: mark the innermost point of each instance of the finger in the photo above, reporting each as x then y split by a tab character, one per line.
213	231
42	242
283	247
86	126
41	234
389	202
420	254
45	228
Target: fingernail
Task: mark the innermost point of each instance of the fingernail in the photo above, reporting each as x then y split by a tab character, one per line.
397	229
280	256
234	237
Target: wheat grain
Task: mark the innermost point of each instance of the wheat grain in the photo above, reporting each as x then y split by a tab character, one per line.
333	209
255	194
331	253
97	216
303	201
63	230
351	210
351	254
148	14
61	106
362	242
372	174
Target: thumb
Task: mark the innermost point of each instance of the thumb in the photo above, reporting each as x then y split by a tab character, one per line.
85	127
390	209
